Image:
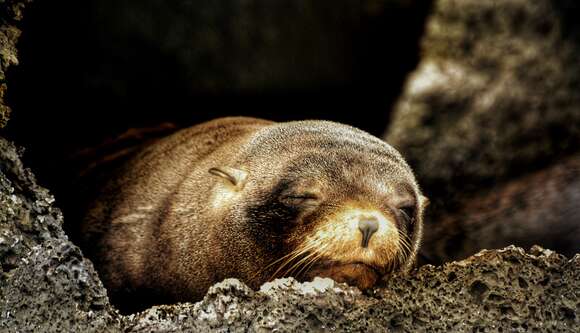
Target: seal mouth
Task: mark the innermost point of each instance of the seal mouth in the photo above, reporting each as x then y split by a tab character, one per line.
358	274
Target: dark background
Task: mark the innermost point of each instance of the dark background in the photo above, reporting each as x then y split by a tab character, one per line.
90	70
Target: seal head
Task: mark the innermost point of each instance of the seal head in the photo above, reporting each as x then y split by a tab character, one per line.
323	199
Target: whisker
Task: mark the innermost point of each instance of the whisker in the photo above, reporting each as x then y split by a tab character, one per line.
319	253
406	241
405	249
273	263
294	254
298	264
287	262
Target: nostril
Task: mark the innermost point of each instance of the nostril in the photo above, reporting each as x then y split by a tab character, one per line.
367	226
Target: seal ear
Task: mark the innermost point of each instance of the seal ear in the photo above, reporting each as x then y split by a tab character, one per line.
424	201
235	176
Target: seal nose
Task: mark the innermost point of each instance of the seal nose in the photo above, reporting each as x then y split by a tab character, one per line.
367	226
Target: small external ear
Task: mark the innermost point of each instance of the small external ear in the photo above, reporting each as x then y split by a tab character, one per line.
425	201
236	177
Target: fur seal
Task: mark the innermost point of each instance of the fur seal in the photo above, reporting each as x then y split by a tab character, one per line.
252	199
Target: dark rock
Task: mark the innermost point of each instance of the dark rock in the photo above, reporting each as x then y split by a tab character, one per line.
539	208
10	14
45	285
495	97
489	292
496	94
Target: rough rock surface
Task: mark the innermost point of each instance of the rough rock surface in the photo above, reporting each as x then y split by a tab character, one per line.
46	285
496	93
10	14
506	290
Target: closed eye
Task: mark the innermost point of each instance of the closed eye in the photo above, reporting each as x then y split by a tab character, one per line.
307	196
408	213
300	199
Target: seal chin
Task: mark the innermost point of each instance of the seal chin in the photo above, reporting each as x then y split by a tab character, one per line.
355	274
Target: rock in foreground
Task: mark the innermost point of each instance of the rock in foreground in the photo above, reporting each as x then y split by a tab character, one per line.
507	290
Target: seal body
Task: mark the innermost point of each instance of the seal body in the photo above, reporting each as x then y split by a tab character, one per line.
255	200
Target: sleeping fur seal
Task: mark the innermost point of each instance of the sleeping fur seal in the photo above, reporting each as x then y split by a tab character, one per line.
254	200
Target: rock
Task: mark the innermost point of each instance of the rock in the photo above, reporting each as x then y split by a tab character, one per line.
506	290
495	97
10	15
496	94
47	285
539	208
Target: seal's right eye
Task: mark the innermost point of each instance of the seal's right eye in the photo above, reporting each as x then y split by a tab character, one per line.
300	200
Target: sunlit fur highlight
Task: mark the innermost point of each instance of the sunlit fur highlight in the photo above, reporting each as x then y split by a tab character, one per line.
223	195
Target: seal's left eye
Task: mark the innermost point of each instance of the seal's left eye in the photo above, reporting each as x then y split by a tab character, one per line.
408	212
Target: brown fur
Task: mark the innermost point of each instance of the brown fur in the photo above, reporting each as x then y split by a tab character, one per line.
231	198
